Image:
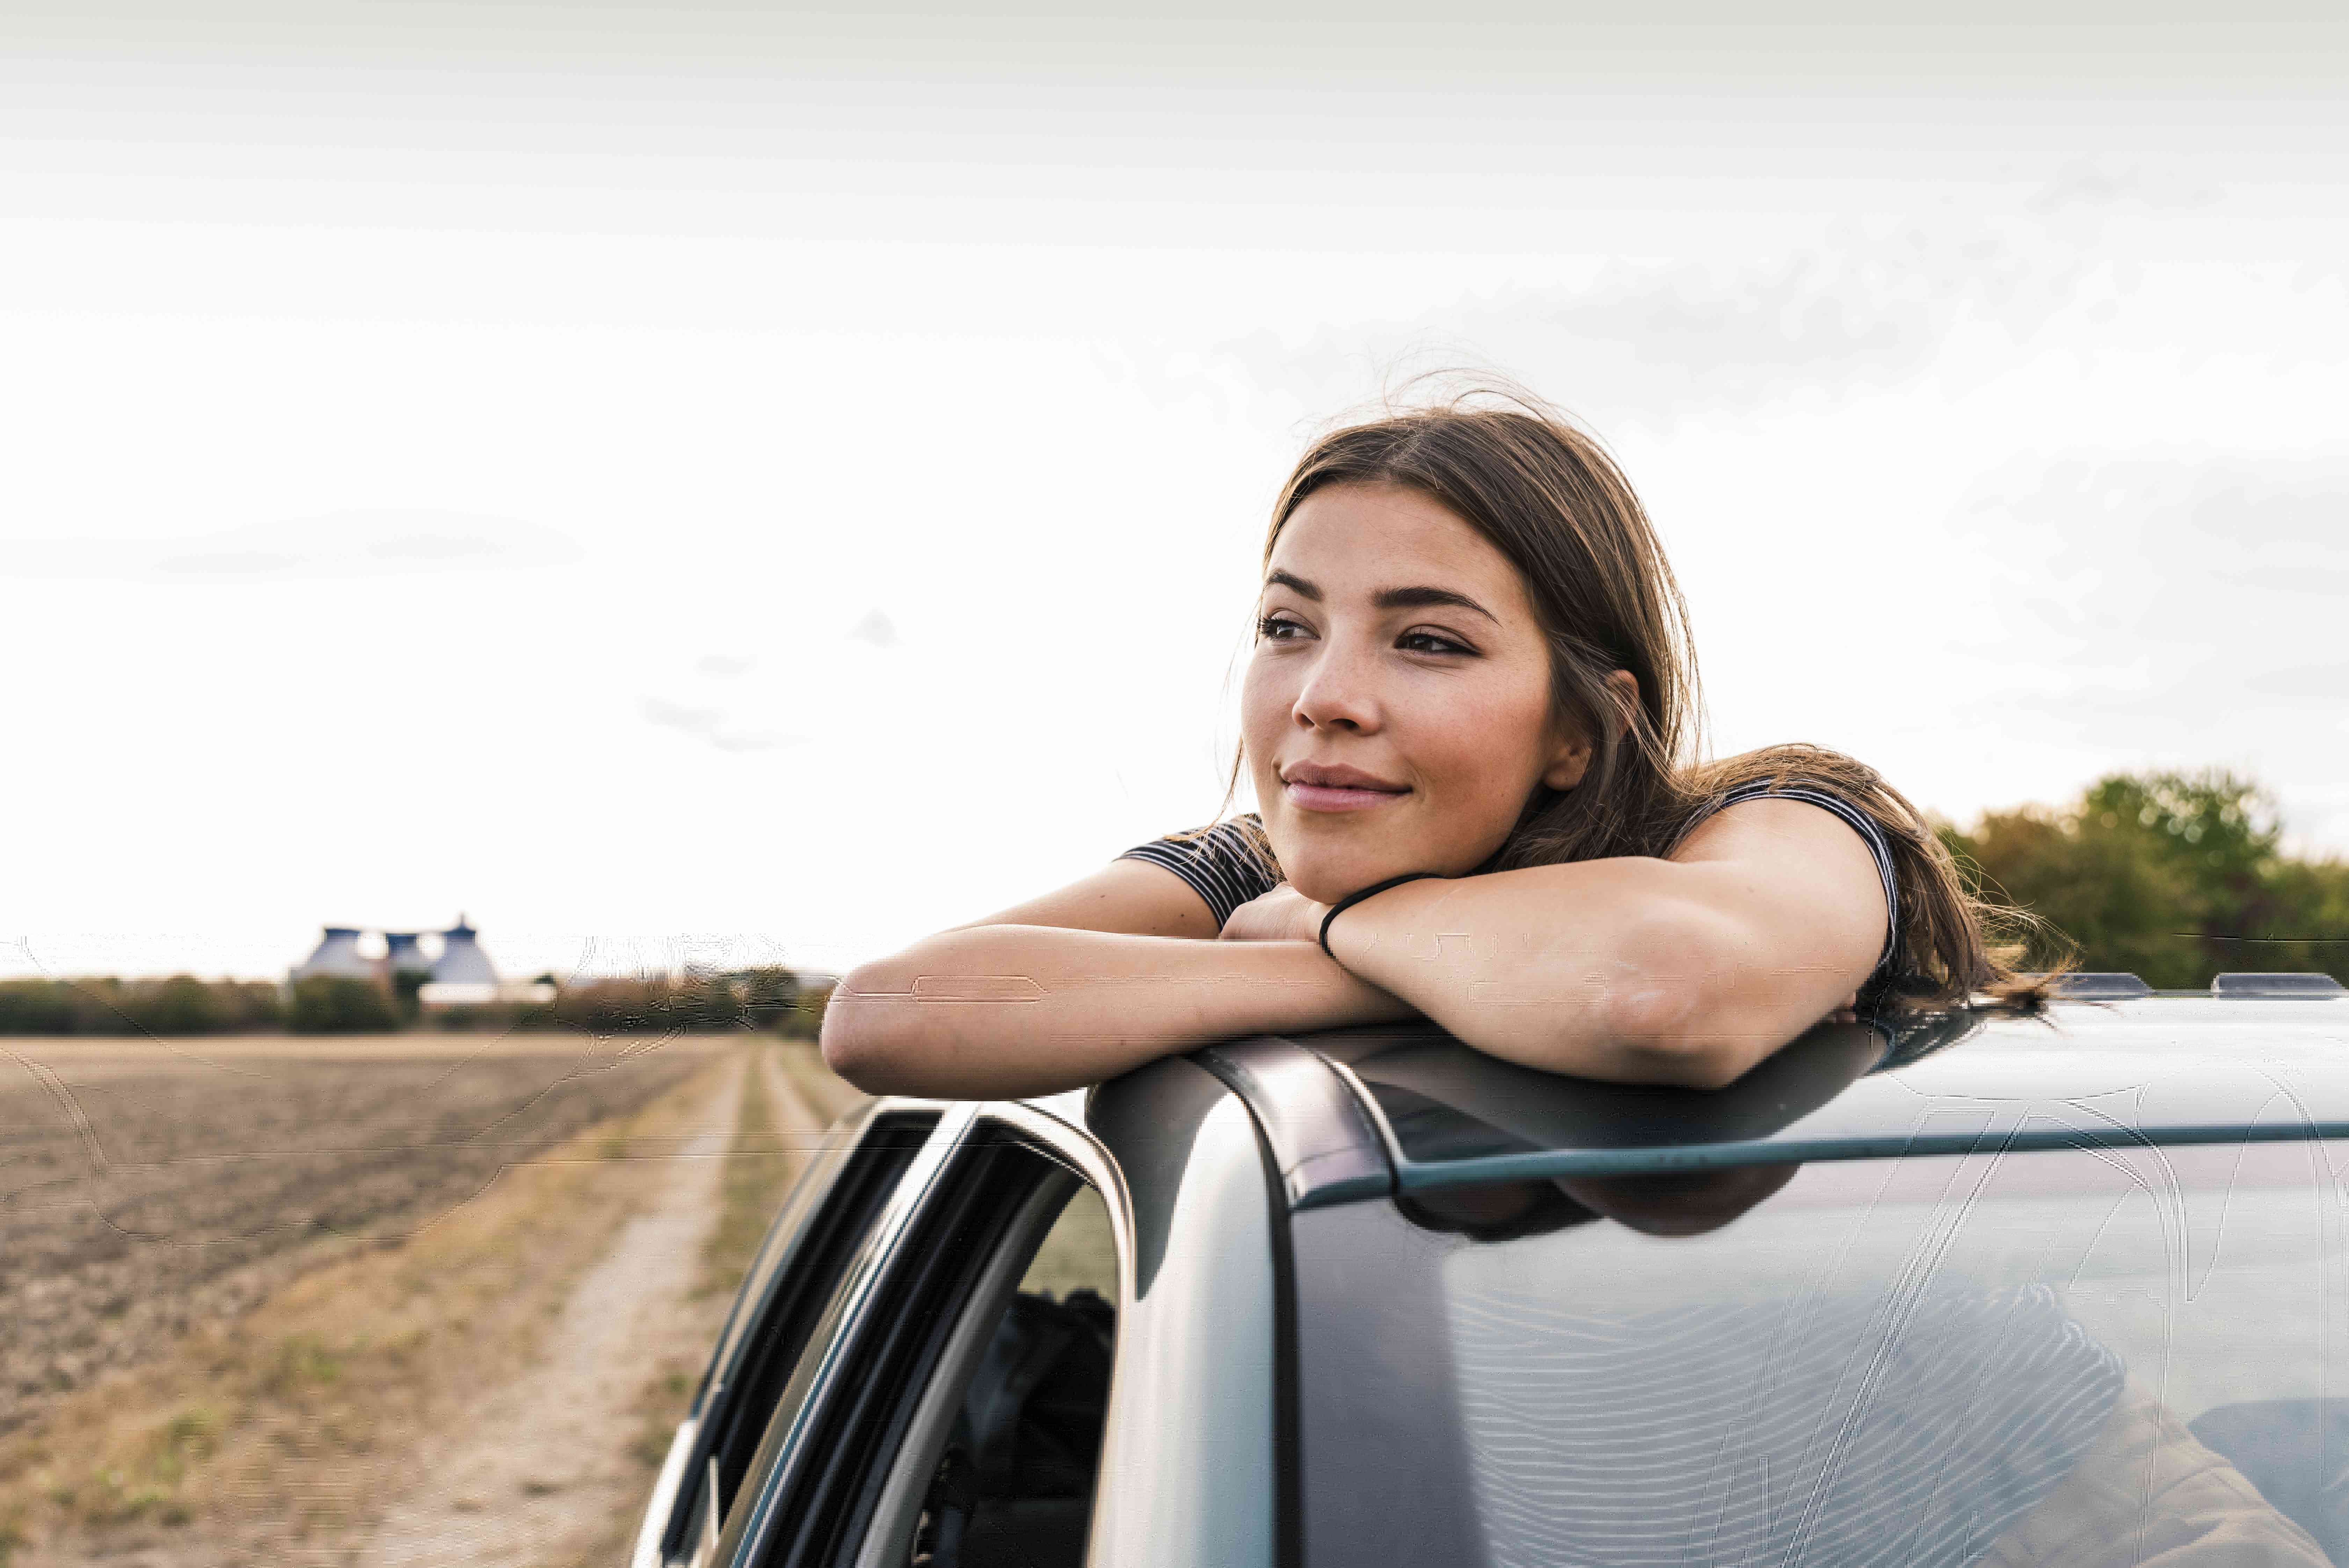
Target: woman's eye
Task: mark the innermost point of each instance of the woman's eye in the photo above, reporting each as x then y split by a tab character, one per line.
1278	629
1430	642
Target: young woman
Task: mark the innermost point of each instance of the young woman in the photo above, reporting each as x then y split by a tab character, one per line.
1469	719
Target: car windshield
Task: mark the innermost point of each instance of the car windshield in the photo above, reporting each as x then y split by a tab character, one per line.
2093	1355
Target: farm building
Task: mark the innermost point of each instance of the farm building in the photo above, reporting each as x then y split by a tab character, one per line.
460	972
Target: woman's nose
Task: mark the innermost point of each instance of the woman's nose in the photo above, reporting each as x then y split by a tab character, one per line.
1337	694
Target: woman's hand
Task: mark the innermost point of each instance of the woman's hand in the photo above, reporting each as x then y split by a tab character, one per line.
1283	915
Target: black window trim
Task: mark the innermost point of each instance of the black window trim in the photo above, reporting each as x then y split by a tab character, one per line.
831	1341
673	1510
752	1523
902	1480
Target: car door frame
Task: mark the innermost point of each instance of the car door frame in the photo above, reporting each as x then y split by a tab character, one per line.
847	1320
1191	1455
770	1288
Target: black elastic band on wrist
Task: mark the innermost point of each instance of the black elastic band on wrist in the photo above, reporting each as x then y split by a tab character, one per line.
1356	897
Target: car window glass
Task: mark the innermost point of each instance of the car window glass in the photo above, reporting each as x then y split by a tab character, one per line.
1013	1487
1078	1253
2093	1356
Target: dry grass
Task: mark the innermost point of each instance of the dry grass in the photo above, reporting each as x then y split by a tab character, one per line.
753	1182
277	1434
827	1094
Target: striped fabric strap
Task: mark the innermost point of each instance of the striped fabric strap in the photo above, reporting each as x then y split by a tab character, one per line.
1221	863
1859	822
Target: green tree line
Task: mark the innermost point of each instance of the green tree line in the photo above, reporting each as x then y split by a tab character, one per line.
2173	876
179	1006
769	999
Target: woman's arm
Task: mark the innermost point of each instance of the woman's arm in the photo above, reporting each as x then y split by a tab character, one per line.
1075	987
1683	970
1687	970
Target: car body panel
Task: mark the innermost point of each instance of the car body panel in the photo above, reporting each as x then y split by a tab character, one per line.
1376	1359
1322	1138
1190	1441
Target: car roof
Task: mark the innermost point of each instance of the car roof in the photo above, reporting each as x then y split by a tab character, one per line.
1352	1114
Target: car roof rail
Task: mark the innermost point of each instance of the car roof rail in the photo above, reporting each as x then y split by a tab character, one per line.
2305	982
2099	985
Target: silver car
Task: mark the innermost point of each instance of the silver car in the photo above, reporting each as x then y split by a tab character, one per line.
1969	1289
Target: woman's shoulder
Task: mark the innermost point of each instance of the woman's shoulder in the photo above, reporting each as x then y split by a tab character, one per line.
1844	786
1226	863
1840	785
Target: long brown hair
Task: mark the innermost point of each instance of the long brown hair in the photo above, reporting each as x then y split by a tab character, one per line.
1549	498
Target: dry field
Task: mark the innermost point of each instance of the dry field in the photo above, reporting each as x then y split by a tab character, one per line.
264	1297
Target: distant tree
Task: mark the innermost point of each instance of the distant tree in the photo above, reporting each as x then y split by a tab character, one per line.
805	1021
711	1001
408	992
769	996
179	1006
2174	877
103	1006
38	1007
332	1005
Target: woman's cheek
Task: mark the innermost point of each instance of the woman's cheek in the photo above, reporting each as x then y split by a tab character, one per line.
1263	711
1490	766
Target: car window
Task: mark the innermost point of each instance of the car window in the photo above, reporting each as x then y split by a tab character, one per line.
1013	1487
2094	1357
800	1268
961	1422
1078	1253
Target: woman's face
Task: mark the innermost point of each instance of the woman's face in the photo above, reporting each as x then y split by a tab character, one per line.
1396	714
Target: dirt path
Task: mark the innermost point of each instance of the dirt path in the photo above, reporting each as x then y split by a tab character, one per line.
536	1474
495	1387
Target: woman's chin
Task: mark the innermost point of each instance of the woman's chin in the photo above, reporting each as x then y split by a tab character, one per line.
1325	862
1327	880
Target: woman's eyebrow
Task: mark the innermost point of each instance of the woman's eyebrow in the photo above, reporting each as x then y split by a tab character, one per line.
1387	598
1426	598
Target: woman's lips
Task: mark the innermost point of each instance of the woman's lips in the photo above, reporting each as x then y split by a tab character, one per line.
1337	797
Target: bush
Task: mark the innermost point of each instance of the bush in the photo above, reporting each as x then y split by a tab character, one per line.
179	1006
805	1021
38	1007
767	998
660	1005
330	1004
2172	877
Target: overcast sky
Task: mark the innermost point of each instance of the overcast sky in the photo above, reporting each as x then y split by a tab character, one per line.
704	482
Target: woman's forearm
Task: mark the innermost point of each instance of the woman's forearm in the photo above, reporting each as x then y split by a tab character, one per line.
1604	969
989	1012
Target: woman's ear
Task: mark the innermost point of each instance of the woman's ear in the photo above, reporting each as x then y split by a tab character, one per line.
1624	687
1572	758
1568	764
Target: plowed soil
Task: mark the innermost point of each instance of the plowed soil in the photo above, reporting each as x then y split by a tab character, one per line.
147	1189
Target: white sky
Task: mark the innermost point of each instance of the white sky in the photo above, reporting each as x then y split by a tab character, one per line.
693	482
